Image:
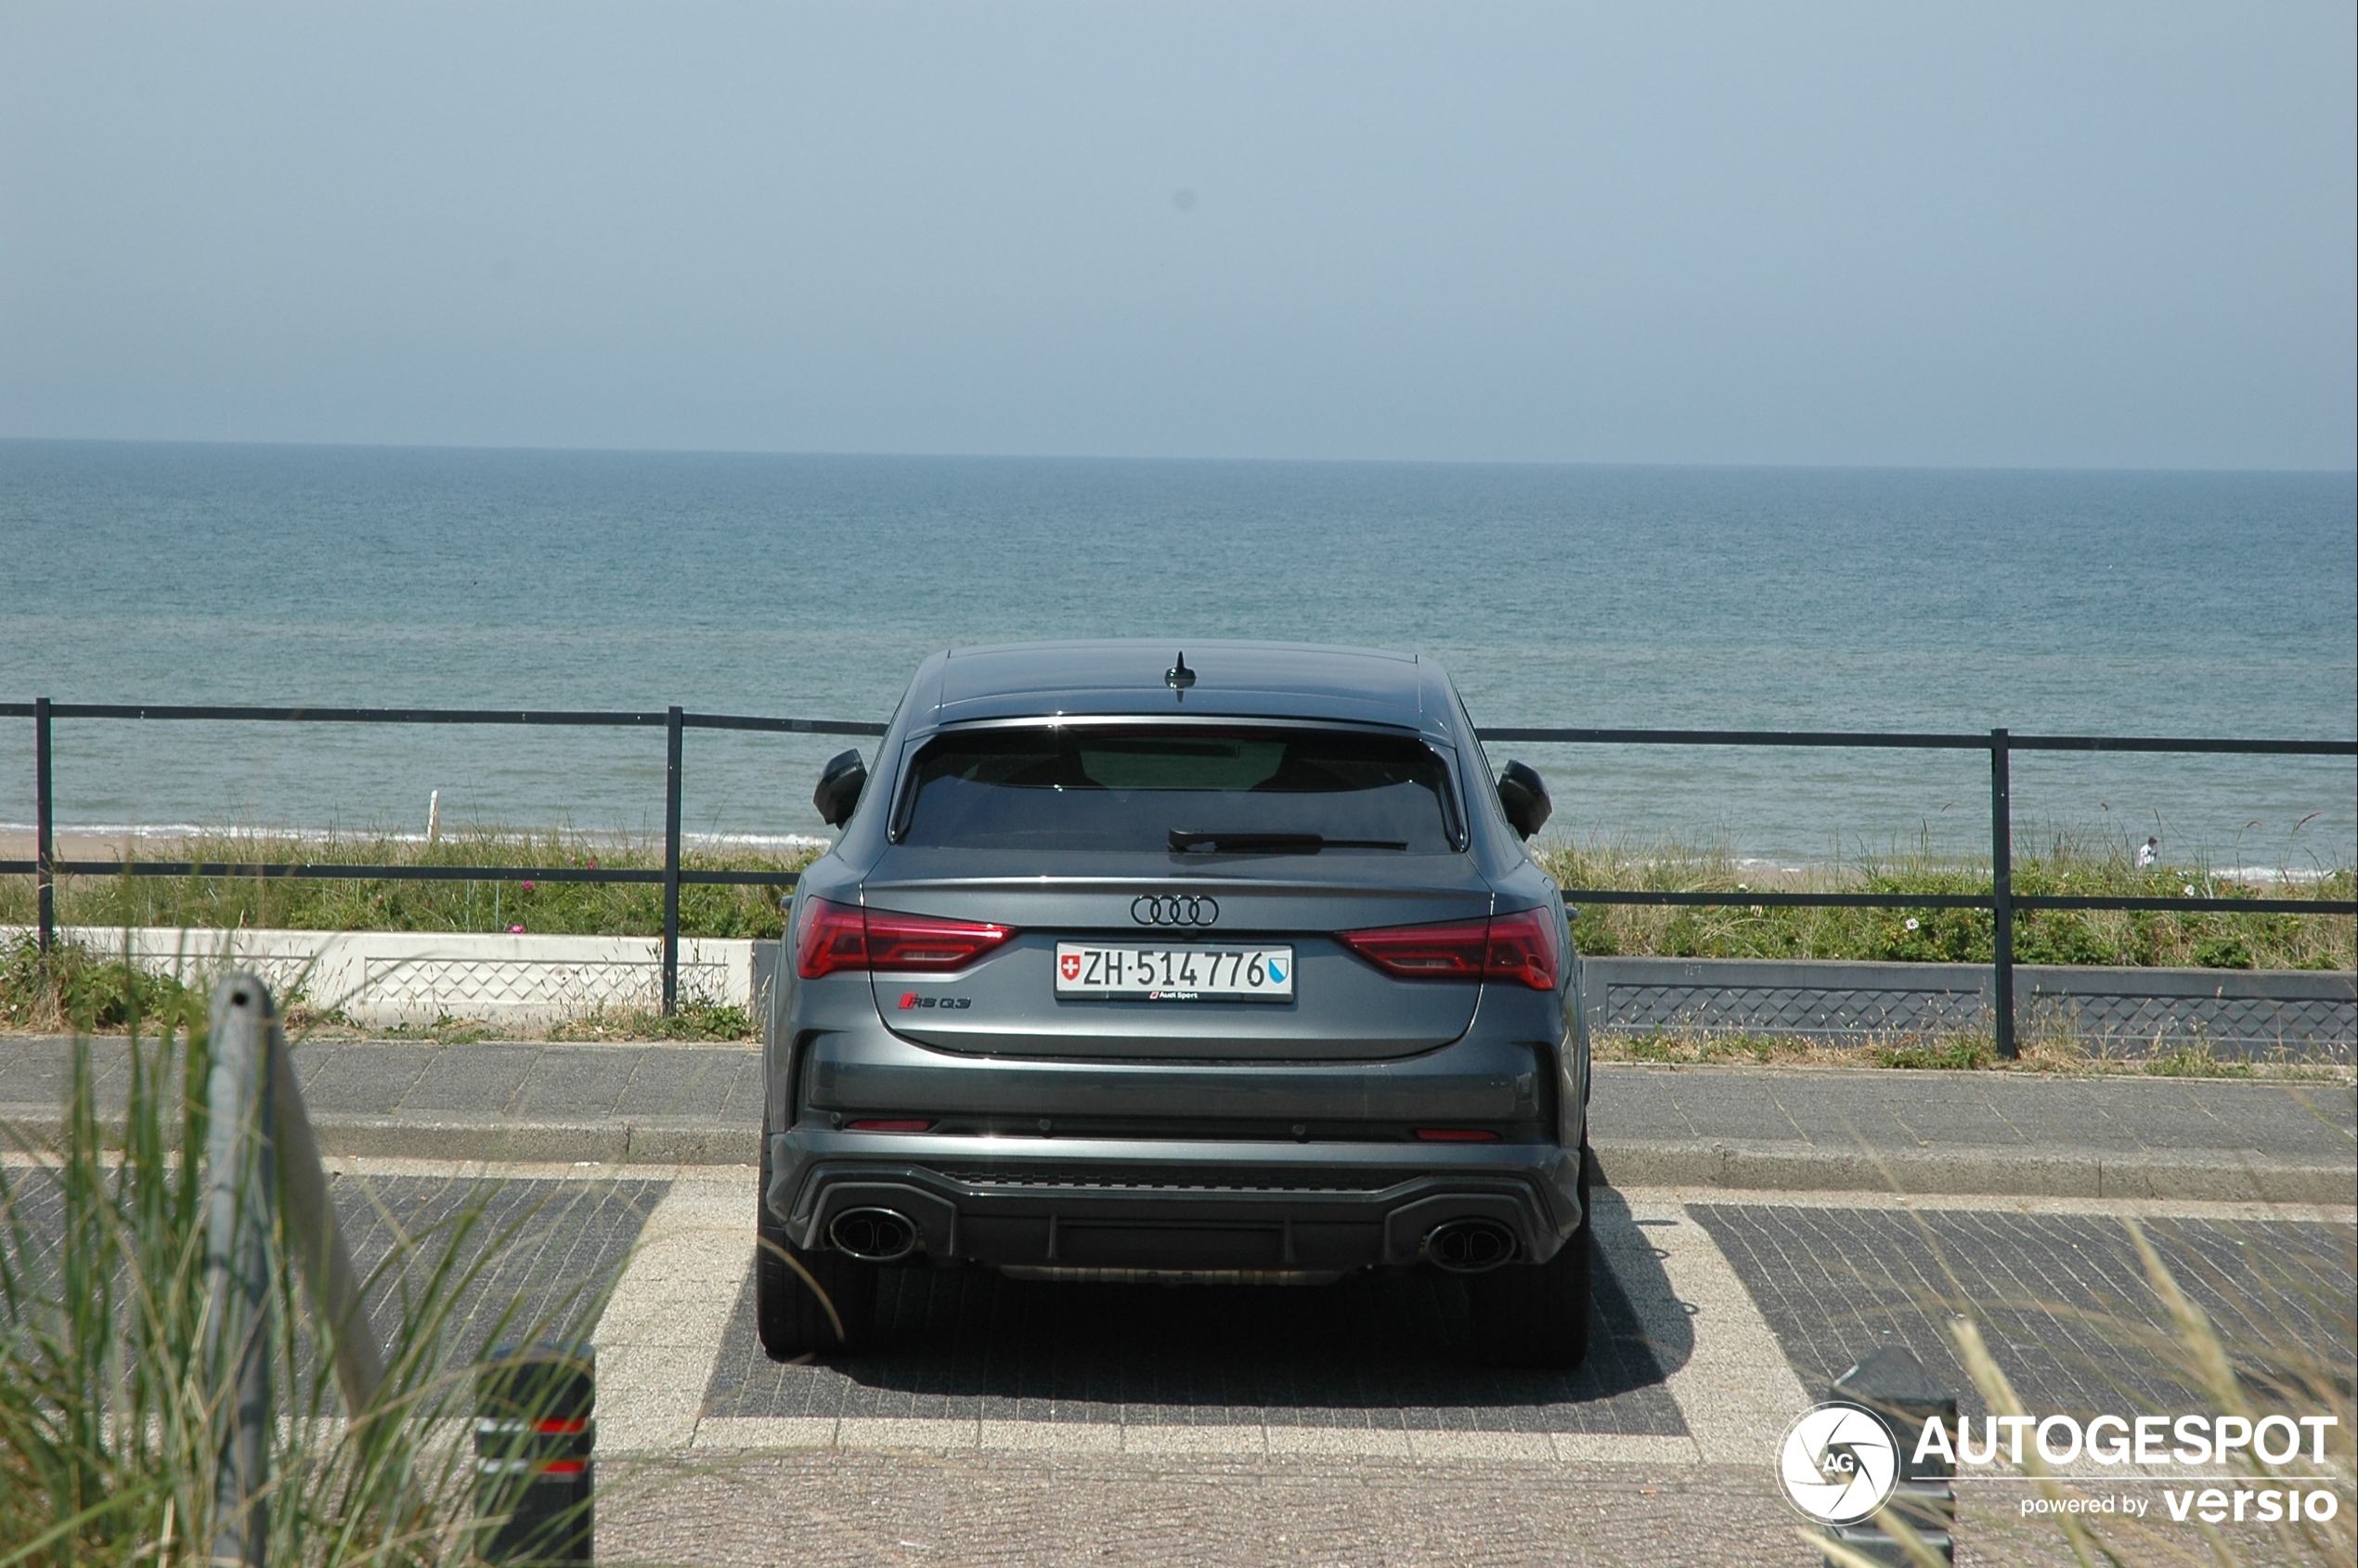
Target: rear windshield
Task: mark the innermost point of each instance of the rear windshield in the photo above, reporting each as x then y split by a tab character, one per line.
1251	791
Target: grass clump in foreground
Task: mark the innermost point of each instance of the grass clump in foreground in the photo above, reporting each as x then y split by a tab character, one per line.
109	1422
597	909
2067	867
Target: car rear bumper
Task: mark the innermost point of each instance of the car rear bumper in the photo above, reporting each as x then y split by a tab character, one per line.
1187	1205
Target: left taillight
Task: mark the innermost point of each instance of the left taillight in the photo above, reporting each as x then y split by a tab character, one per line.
838	936
1519	947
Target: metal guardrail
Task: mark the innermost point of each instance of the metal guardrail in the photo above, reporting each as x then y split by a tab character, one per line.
2001	900
45	868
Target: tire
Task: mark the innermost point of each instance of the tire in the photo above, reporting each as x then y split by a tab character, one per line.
793	1320
1536	1315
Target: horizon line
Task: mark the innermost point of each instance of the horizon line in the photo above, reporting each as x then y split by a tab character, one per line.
1795	465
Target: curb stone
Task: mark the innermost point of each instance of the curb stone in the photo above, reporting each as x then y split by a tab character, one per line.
1733	1164
1996	1170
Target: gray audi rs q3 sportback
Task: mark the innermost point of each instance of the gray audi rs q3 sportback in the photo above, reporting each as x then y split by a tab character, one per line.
1133	964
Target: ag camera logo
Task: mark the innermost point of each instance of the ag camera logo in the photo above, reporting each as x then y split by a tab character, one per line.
1838	1463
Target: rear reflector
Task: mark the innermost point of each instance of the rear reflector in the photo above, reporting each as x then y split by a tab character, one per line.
1457	1135
838	936
890	1124
1519	947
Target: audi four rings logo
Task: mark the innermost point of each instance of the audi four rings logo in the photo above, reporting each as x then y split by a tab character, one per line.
1173	909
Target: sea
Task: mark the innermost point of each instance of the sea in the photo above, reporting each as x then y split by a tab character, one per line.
2177	603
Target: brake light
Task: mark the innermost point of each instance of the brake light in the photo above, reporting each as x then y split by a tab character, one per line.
1519	947
838	936
1522	947
890	1124
1457	1135
834	937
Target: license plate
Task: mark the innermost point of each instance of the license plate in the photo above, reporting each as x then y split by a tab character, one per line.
1175	974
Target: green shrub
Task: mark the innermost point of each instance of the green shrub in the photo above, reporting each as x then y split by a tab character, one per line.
72	988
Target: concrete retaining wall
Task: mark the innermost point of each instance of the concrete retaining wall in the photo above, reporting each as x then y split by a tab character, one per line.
403	977
2305	1013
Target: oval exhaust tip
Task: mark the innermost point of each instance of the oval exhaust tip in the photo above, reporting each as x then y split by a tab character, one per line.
1470	1246
874	1235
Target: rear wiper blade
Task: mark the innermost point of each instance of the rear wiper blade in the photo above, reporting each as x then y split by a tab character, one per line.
1271	843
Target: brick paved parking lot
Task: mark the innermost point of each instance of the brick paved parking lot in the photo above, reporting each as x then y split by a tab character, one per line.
1370	1354
553	1246
2055	1294
1013	1422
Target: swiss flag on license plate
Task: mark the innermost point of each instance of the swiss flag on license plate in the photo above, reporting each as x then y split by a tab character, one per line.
1071	964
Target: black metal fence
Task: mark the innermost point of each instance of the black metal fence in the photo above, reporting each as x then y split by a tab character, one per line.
2000	900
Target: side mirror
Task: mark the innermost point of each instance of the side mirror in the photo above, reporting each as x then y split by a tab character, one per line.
840	783
1526	799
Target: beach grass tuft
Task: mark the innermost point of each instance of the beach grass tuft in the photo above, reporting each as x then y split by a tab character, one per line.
109	1420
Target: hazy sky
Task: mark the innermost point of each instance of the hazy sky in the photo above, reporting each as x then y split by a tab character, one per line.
1872	233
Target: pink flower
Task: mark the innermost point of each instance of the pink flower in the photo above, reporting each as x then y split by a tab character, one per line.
515	930
527	886
593	865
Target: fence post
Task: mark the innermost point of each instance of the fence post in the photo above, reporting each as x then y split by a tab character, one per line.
671	864
45	848
2002	893
237	1220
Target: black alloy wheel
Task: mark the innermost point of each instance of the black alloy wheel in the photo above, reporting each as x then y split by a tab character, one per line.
789	1283
1537	1316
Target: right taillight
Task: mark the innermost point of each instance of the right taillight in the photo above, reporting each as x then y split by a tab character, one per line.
838	936
1519	947
1522	947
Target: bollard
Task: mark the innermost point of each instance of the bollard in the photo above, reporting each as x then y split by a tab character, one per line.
536	1431
1894	1384
239	1196
262	1171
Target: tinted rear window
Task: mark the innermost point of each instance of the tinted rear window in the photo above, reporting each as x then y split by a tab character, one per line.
1106	789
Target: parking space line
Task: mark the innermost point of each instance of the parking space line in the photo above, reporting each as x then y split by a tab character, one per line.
748	1434
1735	1389
2111	1208
659	1336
